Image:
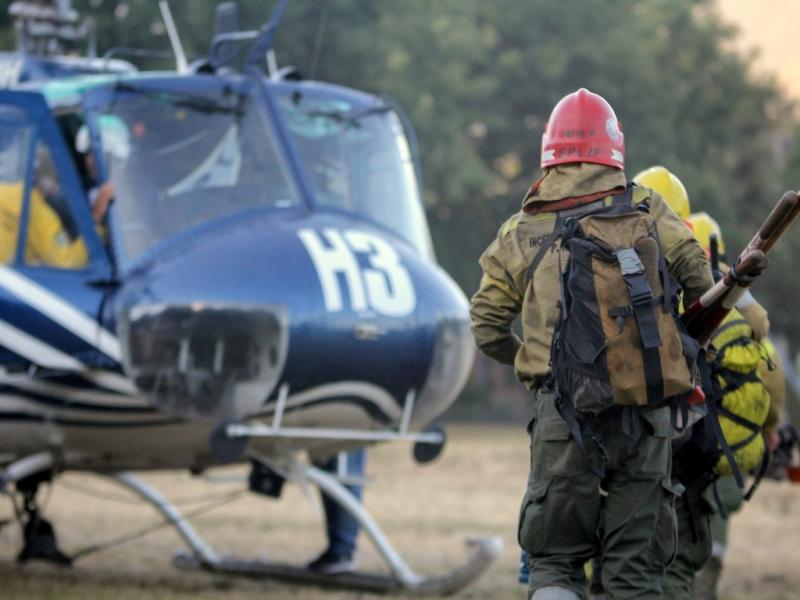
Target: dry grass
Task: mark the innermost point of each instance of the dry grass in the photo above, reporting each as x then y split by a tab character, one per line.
427	512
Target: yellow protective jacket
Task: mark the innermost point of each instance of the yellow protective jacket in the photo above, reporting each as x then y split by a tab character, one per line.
47	242
503	294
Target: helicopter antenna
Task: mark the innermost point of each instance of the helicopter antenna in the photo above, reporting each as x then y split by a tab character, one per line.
265	37
323	20
272	63
91	44
181	65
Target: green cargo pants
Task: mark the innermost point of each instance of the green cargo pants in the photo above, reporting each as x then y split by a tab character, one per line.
569	515
694	510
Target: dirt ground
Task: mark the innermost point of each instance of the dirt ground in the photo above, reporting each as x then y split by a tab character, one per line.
427	511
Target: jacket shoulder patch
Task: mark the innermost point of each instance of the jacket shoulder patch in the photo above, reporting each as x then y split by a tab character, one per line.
509	225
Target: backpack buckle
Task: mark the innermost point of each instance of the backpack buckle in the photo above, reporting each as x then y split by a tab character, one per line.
639	291
634	275
629	262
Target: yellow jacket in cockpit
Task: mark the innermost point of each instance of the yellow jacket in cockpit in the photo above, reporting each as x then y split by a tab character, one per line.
47	242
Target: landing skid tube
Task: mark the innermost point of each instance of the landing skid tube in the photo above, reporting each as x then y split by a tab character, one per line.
484	553
402	578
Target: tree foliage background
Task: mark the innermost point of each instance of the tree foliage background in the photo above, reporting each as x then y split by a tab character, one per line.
478	80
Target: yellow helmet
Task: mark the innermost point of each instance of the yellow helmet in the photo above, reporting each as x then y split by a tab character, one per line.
669	186
704	226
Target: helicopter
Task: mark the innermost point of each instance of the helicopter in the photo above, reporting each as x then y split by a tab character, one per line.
263	284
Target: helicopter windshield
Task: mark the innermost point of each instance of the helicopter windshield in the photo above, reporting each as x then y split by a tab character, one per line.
359	160
177	161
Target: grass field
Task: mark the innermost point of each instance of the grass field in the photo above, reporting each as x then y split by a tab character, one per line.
427	512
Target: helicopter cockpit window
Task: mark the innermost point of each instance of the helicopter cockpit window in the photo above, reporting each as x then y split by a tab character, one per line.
15	140
190	160
52	239
359	160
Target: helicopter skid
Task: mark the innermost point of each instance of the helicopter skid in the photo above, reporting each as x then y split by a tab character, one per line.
484	552
401	577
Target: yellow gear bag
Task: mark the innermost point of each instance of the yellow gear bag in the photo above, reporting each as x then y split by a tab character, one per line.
743	398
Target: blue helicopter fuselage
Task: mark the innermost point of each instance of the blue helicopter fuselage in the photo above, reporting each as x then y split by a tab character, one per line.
267	239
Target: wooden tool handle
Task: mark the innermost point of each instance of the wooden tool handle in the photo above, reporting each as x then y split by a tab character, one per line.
785	225
708	311
778	220
785	206
710	302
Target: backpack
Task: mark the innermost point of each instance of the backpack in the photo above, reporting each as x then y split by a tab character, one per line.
729	440
742	400
618	340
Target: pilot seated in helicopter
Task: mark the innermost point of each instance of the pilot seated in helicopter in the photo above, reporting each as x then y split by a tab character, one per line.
52	239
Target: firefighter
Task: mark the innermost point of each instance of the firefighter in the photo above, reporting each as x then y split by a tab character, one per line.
47	241
770	372
569	514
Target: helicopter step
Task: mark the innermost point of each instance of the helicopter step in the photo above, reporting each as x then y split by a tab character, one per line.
401	578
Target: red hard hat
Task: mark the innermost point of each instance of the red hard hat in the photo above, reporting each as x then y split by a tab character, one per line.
583	128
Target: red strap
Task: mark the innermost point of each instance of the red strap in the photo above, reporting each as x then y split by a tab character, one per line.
541	206
697	396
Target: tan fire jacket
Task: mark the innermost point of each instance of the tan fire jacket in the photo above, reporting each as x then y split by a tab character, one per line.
755	315
503	294
774	378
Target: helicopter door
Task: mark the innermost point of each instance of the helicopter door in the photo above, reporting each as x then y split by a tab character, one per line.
52	260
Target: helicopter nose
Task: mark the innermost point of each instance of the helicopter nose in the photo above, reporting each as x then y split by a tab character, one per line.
204	360
452	359
213	324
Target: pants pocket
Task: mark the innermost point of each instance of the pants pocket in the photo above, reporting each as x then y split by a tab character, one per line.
532	529
555	452
694	521
665	541
653	456
560	454
699	551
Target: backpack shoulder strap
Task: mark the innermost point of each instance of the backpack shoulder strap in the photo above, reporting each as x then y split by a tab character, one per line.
713	421
546	245
627	197
576	211
633	197
762	471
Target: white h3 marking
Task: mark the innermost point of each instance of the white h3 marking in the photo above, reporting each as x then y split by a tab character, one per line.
384	286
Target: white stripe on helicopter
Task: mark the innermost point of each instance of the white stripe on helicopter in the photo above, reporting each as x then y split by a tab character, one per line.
63	313
37	352
66	415
357	389
102	401
46	356
97	397
17	401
